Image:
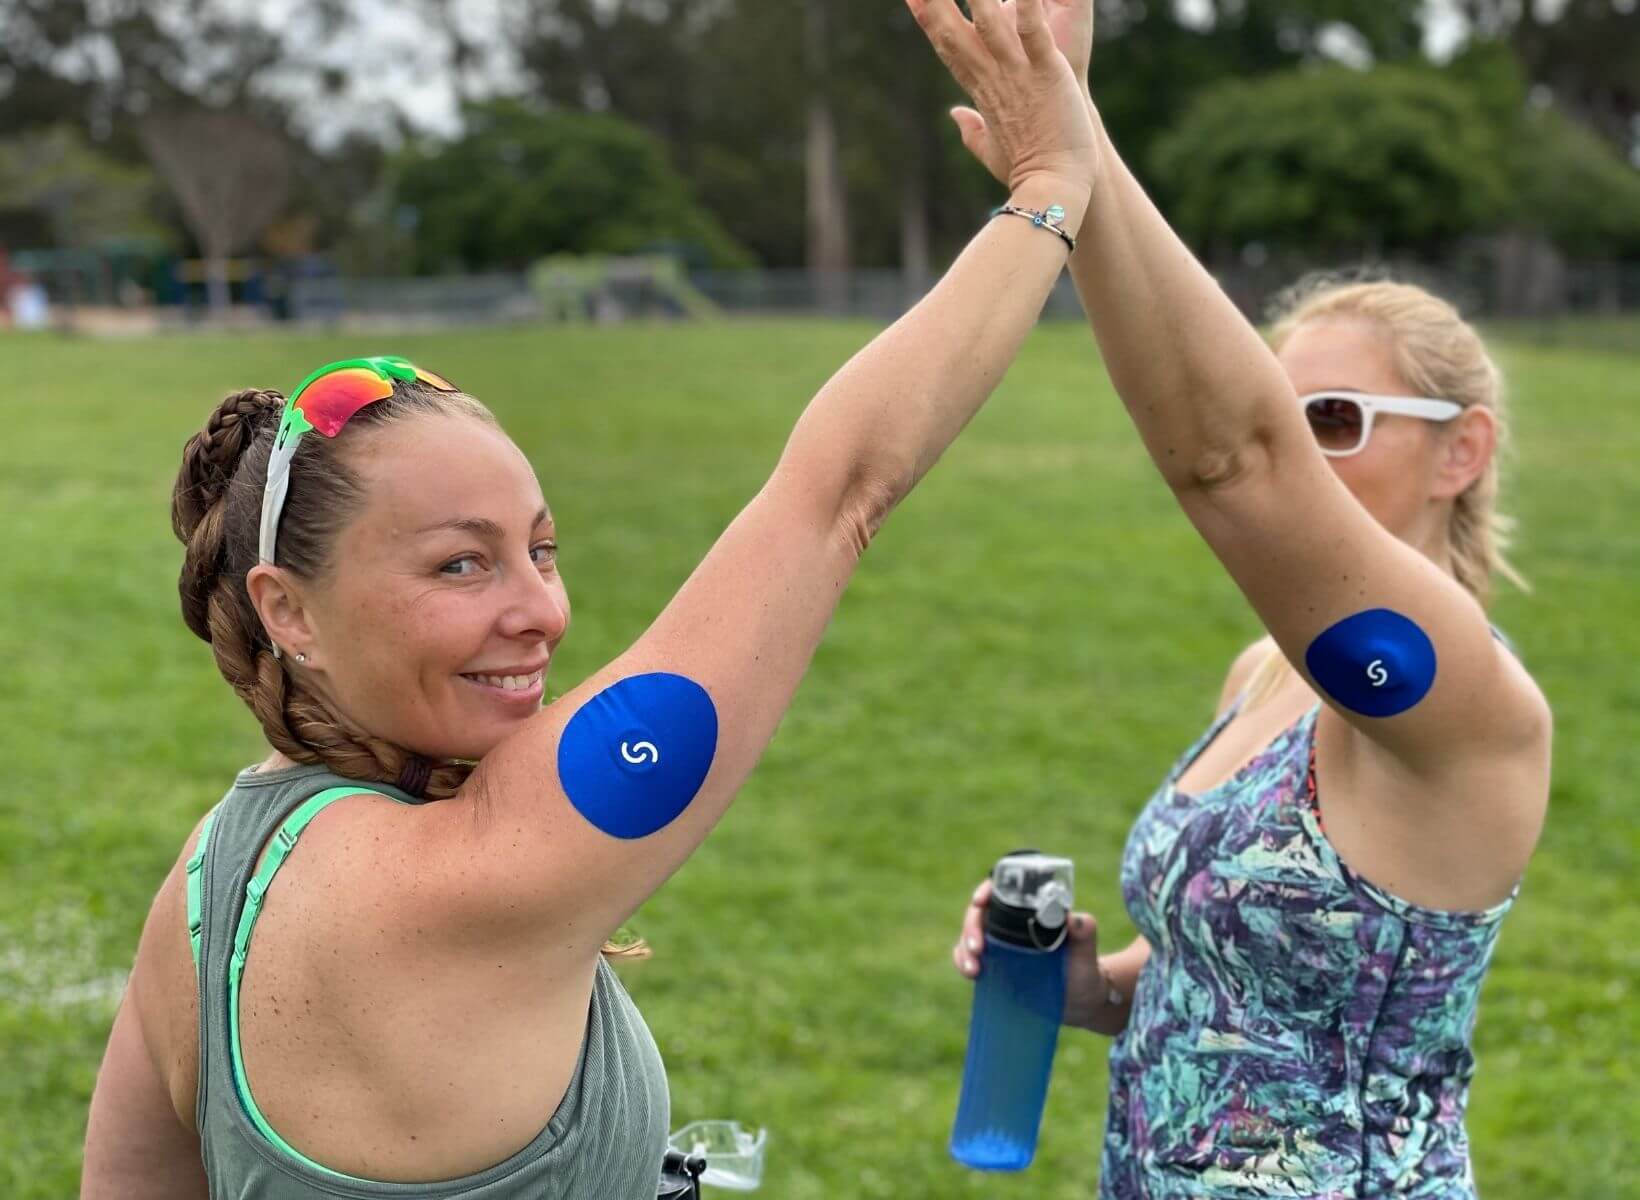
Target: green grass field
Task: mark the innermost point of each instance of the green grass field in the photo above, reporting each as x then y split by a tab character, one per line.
1032	639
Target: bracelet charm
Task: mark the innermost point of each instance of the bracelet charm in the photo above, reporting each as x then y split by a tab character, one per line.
1053	220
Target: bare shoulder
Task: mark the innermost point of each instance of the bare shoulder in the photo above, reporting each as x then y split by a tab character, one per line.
1242	669
398	885
163	987
1536	718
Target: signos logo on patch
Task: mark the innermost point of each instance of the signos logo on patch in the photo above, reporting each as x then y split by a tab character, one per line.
633	757
644	753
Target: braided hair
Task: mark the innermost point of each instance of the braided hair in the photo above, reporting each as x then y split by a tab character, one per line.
216	510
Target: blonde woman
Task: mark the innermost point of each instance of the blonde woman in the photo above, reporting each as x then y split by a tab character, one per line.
1320	880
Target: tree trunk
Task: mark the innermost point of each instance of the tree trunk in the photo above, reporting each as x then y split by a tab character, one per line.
827	198
217	292
915	257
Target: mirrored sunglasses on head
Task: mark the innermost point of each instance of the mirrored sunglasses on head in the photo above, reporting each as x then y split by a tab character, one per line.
323	403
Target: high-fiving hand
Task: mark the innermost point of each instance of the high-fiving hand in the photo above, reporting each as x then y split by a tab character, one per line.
1033	118
1070	23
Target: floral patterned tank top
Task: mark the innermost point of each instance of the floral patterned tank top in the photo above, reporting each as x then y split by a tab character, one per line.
1297	1031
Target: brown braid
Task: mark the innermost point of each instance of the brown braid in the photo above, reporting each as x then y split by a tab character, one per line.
208	465
216	510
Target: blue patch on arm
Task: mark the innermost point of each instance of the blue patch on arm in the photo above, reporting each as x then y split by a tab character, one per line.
636	754
1376	663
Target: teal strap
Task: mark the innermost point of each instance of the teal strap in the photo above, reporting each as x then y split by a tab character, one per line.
255	891
195	868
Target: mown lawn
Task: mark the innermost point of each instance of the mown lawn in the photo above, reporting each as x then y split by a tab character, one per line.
1032	639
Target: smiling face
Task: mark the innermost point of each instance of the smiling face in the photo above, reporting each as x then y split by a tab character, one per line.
442	606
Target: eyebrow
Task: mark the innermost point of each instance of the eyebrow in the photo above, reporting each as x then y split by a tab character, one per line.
479	526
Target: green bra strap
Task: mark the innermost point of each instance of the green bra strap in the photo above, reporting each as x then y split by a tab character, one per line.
278	850
195	868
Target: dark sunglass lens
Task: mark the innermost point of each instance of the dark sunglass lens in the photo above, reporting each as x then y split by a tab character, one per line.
1335	421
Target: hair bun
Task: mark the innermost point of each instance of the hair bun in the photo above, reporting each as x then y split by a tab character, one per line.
212	455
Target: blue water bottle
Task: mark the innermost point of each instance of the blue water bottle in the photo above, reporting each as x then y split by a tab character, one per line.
1019	1001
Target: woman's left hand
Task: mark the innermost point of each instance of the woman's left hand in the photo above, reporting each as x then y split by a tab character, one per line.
1035	109
1071	24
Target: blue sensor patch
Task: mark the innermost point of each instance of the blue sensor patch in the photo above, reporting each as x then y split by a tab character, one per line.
1377	663
635	755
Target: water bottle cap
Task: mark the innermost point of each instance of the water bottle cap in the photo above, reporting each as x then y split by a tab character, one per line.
1040	882
1031	899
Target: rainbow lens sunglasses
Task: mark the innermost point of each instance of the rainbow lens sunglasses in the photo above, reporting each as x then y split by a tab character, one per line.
322	403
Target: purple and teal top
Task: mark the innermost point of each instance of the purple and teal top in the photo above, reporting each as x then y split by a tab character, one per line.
1296	1031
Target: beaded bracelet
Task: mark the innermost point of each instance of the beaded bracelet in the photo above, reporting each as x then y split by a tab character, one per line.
1052	220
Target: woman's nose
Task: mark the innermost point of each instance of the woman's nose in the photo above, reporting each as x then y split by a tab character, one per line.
536	605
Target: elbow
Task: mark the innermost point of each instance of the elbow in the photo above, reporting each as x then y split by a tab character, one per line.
870	496
1227	465
847	494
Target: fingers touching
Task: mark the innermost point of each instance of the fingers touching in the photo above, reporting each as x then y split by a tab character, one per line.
1031	30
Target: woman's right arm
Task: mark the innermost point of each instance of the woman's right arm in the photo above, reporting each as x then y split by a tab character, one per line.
746	623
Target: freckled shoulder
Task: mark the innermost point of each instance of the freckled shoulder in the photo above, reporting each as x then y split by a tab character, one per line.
164	988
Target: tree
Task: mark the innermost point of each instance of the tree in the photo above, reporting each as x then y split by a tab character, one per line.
130	56
1334	160
775	112
83	196
1154	58
1567	185
1571	188
521	184
230	174
827	195
1586	52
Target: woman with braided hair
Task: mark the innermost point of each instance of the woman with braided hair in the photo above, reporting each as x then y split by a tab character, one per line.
298	723
375	969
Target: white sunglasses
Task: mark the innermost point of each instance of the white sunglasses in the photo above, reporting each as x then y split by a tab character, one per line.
1342	421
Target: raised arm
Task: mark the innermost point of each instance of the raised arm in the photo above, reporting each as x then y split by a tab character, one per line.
585	811
1221	420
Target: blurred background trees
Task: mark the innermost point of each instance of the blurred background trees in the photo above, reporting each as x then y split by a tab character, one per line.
792	134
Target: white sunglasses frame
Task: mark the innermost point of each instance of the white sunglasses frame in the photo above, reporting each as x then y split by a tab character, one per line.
1422	407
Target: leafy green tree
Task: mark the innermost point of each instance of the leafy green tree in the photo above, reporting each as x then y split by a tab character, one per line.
1153	59
106	58
82	196
1586	52
1570	187
1335	160
520	184
732	87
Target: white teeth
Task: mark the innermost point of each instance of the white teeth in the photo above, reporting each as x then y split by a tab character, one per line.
509	683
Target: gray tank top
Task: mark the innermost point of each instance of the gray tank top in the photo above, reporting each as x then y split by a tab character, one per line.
605	1142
